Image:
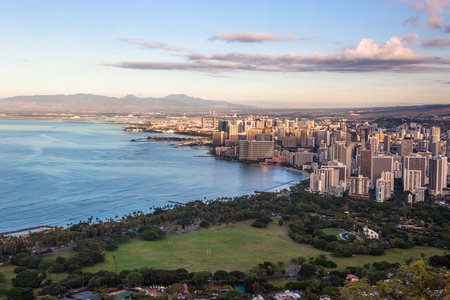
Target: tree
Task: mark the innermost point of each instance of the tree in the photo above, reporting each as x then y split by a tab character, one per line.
201	277
307	270
134	279
17	293
32	279
331	291
175	288
232	295
220	275
356	290
301	260
47	297
421	279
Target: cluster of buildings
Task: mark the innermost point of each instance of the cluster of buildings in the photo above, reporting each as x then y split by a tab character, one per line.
344	157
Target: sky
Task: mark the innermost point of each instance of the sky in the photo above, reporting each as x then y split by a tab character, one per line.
303	54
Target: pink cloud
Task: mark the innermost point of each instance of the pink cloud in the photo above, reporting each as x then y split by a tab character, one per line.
257	37
434	10
367	56
443	42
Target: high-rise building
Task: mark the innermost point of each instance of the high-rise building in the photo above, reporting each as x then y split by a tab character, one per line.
264	137
419	195
436	131
438	174
406	147
233	129
289	141
423	145
359	185
219	138
338	151
380	163
301	158
366	163
252	132
316	182
203	123
387	144
255	150
389	176
382	190
310	142
374	144
435	148
320	136
415	162
331	178
341	167
412	180
223	126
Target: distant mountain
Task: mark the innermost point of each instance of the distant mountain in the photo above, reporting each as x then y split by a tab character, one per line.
102	104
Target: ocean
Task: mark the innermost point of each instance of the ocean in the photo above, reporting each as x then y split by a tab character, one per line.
55	172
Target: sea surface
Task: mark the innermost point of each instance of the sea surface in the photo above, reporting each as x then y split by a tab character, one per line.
55	172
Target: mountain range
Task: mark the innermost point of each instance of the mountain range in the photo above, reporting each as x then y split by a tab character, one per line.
83	103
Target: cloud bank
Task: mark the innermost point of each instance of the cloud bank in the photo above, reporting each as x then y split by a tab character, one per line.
367	56
256	37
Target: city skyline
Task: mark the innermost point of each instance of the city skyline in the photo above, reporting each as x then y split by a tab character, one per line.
290	54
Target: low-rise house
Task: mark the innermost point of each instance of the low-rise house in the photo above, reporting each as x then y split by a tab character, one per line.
288	295
351	277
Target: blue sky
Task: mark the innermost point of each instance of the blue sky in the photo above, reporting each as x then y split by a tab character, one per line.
345	53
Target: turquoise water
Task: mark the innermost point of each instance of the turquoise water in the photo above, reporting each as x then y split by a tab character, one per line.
56	172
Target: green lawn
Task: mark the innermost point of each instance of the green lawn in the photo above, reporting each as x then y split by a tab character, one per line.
333	231
233	247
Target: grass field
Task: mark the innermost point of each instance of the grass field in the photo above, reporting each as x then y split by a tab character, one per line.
233	247
333	231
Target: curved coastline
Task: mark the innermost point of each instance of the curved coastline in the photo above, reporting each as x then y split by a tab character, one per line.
58	172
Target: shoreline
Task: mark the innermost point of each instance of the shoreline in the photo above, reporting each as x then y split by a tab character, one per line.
285	168
144	206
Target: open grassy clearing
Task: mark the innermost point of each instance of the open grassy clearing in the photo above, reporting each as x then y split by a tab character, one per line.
333	231
233	247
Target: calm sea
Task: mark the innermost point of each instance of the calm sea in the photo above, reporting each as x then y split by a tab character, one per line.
56	172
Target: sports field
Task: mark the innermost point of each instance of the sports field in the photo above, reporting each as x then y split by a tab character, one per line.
232	247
